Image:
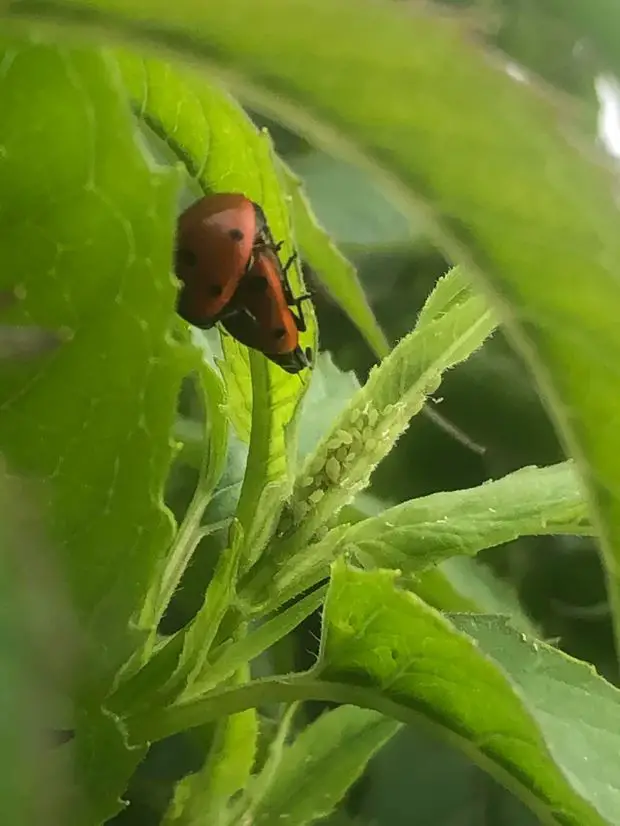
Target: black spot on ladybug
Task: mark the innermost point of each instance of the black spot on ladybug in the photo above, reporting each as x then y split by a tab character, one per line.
215	290
185	257
236	234
279	332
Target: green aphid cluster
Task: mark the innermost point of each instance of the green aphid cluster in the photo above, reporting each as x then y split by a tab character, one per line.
343	466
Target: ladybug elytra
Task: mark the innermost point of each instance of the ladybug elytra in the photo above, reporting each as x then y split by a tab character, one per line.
216	238
230	272
266	319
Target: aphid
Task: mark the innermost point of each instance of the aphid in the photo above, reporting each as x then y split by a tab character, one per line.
332	469
316	496
216	240
342	453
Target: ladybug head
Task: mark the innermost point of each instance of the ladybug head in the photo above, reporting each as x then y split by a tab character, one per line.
295	361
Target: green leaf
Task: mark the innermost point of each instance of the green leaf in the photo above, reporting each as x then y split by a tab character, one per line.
527	725
83	254
224	151
225	498
181	661
189	534
37	643
418	534
267	476
235	370
530	502
140	687
379	413
104	765
544	725
224	661
211	135
203	797
327	396
318	768
333	269
448	292
244	810
460	583
86	250
577	711
165	676
463	583
360	437
501	182
354	207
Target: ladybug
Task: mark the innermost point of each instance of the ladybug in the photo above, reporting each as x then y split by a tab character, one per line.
264	317
216	239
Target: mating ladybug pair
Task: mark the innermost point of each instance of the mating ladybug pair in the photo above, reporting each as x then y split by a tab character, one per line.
230	272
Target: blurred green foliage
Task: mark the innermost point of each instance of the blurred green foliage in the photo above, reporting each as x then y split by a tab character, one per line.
557	581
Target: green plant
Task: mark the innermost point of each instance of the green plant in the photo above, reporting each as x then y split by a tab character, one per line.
86	235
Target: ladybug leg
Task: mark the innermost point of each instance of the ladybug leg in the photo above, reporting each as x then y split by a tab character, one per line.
290	261
288	293
239	311
300	320
228	313
250	315
232	312
296	303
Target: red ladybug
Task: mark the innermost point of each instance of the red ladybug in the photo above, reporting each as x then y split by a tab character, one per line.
216	238
264	318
